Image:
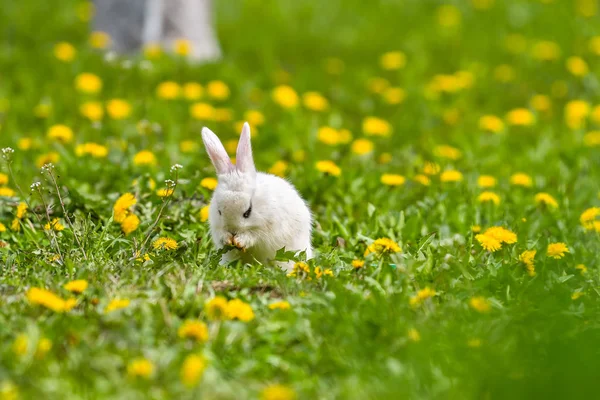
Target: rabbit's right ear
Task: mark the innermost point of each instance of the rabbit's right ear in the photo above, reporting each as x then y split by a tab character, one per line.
216	152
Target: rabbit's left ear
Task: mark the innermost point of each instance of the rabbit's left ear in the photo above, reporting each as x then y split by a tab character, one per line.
243	157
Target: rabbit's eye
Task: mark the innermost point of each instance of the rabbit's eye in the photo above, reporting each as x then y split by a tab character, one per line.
248	211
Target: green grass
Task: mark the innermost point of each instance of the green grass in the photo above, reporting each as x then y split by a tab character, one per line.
353	335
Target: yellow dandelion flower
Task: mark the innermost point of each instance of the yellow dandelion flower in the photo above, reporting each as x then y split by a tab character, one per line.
118	109
520	117
488	196
20	345
576	112
486	181
124	203
60	133
54	225
99	40
413	335
192	91
577	66
49	300
182	47
209	183
237	309
130	223
546	200
451	176
445	151
117	304
328	135
43	347
328	167
576	295
144	157
21	210
16	223
557	250
315	101
394	95
2	227
546	51
203	111
192	370
88	83
475	228
254	118
491	123
504	73
501	234
25	143
392	60
8	391
392	179
140	368
489	243
592	139
589	216
152	51
165	192
285	96
480	304
431	168
448	16
521	179
188	146
422	179
91	149
527	258
280	305
362	146
165	243
76	286
421	296
581	268
92	110
383	246
377	85
204	213
193	329
277	392
168	90
218	90
64	52
279	168
373	126
540	103
216	308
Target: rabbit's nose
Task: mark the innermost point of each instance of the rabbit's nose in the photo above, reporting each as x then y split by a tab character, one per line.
233	234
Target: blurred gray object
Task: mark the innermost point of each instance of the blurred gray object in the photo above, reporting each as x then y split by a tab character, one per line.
132	24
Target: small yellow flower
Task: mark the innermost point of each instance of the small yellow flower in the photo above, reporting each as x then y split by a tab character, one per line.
488	196
144	157
377	85
362	146
130	223
140	368
43	347
576	112
577	66
592	139
92	110
546	51
280	305
118	109
165	192
475	228
193	329
49	300
392	60
504	73
358	264
21	210
546	200
152	51
328	167
488	243
54	225
116	304
451	176
557	250
576	295
254	118
486	181
448	16
92	149
527	258
60	133
168	90
209	183
279	168
540	103
2	227
88	83
315	101
218	90
421	296
202	111
99	40
392	179
383	246
445	151
192	91
20	345
285	96
521	179
192	370
204	213
188	146
491	123
422	179
594	45
25	143
480	304
77	286
431	168
8	391
589	217
414	335
64	51
216	308
237	309
165	243
373	126
581	268
182	47
520	117
501	234
393	95
277	392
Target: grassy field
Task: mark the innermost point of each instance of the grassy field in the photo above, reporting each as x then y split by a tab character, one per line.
448	150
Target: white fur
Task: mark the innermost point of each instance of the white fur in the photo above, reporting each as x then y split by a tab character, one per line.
279	217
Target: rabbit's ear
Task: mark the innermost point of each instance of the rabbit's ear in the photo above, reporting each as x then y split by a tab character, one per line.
216	152
243	156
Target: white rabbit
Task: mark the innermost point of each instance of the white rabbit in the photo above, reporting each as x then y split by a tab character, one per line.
256	212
